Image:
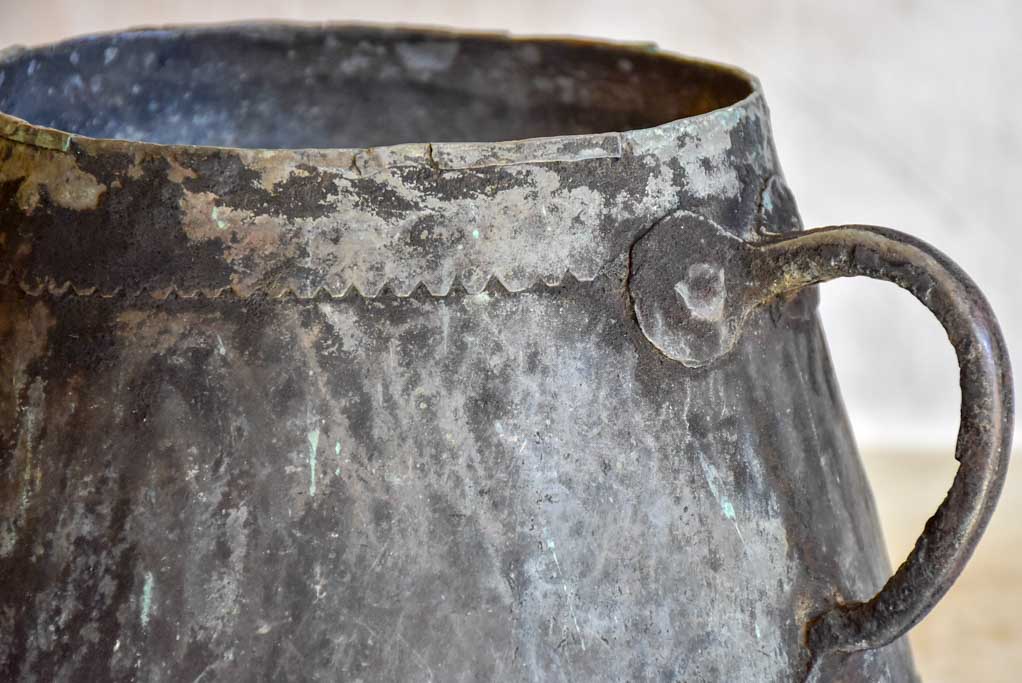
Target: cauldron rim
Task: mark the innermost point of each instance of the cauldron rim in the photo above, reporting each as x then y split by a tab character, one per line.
538	149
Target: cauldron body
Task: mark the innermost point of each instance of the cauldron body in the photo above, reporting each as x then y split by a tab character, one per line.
388	413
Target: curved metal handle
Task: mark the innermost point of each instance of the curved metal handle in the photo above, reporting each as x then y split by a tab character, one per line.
787	263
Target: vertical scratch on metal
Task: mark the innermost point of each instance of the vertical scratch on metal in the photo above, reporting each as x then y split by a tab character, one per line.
564	584
313	447
713	481
147	599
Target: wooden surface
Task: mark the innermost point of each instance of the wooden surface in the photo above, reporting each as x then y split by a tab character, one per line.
975	633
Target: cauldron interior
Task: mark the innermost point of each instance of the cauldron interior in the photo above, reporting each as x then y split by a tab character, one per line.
301	86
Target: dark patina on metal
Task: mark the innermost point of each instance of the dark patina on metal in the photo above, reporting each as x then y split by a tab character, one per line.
286	393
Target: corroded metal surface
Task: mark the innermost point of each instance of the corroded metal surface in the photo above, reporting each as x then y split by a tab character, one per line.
433	214
241	441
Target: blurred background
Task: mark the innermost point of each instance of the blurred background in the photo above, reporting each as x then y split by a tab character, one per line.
893	112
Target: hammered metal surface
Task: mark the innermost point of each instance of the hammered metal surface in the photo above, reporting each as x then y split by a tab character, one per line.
439	214
369	480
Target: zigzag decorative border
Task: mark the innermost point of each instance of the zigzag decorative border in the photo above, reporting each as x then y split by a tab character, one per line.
458	285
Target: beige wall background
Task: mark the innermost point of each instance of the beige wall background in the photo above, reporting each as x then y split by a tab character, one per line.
894	112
